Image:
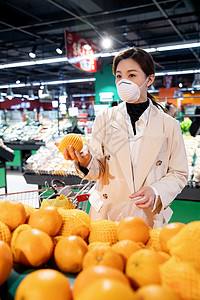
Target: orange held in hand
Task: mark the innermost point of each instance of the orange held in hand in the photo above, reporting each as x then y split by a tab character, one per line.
71	139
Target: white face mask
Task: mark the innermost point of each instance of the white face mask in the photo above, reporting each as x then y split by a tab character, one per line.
128	90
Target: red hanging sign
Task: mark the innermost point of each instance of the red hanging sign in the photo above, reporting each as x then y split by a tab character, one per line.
81	52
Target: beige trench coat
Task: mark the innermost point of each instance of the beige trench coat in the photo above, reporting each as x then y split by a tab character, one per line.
162	162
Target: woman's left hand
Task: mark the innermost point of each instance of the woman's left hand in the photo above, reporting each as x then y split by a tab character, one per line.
148	197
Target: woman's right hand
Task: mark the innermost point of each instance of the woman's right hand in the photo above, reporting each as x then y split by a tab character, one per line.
82	158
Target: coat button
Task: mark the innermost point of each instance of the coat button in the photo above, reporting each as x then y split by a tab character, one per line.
107	156
105	196
159	162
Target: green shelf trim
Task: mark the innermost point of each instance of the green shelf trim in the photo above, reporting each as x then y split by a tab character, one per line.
185	211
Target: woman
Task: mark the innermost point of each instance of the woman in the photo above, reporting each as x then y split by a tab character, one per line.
136	149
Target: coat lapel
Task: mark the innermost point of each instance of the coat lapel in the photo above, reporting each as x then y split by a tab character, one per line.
150	146
121	144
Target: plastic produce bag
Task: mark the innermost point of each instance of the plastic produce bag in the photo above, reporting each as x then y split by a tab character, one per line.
126	209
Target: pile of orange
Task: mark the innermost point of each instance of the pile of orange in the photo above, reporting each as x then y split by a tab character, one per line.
115	260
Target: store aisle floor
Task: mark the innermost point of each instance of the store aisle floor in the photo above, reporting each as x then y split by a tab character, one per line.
17	183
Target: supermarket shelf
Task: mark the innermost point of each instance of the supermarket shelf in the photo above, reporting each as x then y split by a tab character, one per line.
189	194
41	179
6	155
25	145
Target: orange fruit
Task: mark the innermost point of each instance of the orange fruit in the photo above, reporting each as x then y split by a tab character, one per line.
164	255
182	278
154	240
126	248
44	284
97	244
12	213
28	210
46	219
5	233
6	262
107	289
71	139
56	239
32	247
74	222
69	253
59	201
103	256
185	244
103	231
15	233
167	232
155	292
89	275
133	228
142	267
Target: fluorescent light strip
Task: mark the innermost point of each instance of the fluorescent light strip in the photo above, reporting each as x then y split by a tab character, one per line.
101	54
83	95
34	62
56	82
178	47
177	72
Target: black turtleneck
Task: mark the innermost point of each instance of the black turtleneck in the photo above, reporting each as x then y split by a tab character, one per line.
135	110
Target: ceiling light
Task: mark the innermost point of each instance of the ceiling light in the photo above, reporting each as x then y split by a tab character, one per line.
178	47
59	51
55	82
177	72
9	93
32	53
106	43
35	62
31	95
83	95
196	82
150	50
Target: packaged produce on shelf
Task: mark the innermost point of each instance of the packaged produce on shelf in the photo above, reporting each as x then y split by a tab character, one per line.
48	160
34	131
192	146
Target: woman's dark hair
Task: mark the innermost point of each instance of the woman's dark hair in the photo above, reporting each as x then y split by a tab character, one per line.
143	59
